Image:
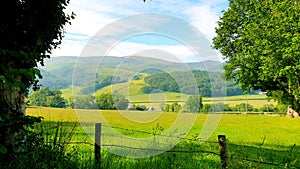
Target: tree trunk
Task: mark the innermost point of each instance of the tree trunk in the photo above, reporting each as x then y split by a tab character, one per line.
12	113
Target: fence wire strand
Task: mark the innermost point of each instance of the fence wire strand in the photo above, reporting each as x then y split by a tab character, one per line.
196	140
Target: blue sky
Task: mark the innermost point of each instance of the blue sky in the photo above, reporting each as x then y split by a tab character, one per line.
92	16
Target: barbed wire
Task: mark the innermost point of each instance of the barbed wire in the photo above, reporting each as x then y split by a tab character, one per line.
235	157
161	150
143	132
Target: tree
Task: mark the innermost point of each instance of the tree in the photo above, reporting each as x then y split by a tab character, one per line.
260	43
167	108
105	101
109	101
29	30
120	102
47	98
83	102
176	107
243	107
193	104
215	107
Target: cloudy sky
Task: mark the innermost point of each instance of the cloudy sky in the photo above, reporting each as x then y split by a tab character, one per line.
134	27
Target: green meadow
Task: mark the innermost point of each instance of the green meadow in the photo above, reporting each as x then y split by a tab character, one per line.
253	141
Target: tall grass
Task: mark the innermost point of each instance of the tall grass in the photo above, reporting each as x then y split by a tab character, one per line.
48	148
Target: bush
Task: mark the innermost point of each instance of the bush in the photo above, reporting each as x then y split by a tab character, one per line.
242	107
268	108
215	107
281	108
44	149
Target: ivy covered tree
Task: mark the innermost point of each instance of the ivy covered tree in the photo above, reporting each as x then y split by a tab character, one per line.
260	43
29	30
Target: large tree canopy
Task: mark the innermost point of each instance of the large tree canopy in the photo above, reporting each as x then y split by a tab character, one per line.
259	40
29	30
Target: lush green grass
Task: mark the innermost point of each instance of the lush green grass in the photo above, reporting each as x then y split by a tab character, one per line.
255	137
238	128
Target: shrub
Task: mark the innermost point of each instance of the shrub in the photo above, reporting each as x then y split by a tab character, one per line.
215	107
46	148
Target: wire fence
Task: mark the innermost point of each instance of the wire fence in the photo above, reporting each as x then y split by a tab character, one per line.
195	141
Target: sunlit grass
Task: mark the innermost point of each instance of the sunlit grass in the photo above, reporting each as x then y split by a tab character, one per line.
241	129
257	137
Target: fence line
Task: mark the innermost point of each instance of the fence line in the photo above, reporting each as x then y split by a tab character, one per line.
143	132
161	150
168	151
151	133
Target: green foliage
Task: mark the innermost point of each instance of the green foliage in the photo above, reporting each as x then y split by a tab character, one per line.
12	123
109	101
148	89
29	31
27	38
120	102
105	101
174	107
260	42
167	108
46	147
83	102
281	108
243	107
269	108
215	107
47	98
193	104
100	82
165	82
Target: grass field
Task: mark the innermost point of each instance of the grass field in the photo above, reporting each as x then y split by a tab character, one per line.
266	139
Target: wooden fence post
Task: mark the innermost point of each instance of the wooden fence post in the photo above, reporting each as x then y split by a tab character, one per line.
97	144
223	150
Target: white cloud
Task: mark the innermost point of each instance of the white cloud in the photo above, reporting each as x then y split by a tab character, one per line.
204	18
93	15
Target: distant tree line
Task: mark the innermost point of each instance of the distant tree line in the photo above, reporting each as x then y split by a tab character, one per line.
47	98
105	101
167	83
194	105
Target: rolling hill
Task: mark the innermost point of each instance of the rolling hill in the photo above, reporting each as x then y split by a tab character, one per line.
61	72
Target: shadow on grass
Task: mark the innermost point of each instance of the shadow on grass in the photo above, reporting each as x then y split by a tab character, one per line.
187	154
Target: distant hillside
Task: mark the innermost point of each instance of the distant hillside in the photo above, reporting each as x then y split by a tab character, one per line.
58	72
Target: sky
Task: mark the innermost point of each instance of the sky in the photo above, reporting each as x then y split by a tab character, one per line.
129	27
